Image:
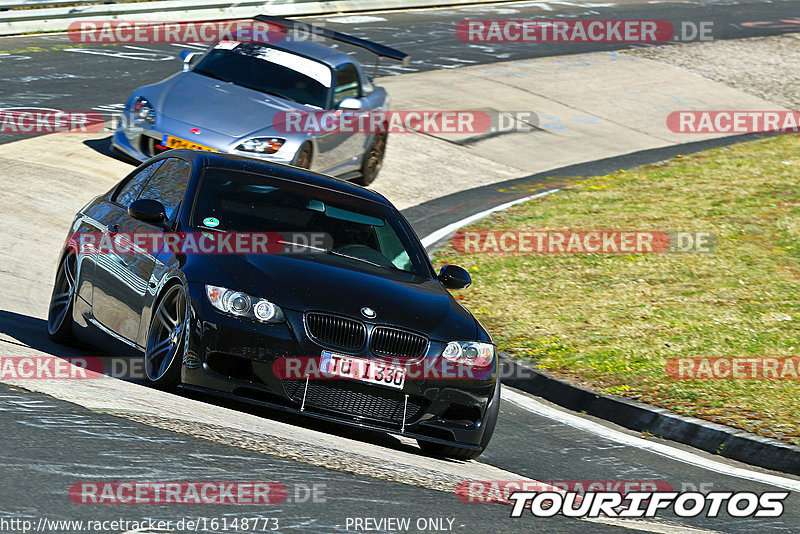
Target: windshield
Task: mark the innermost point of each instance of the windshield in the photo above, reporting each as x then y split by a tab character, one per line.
243	202
268	70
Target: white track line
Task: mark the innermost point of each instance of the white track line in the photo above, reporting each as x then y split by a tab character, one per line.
450	228
576	421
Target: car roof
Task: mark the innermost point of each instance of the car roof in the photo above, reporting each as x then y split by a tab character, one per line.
281	172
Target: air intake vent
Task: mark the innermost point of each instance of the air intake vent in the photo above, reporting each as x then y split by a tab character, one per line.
397	343
352	398
336	331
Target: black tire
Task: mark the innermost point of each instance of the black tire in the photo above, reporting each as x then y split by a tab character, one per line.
166	338
62	300
461	453
373	160
303	157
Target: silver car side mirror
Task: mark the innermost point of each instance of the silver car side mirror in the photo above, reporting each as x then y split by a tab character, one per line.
351	104
187	58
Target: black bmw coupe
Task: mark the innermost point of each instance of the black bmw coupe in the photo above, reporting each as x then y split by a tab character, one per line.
340	316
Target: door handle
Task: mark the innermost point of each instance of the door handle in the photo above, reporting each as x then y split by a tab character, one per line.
112	228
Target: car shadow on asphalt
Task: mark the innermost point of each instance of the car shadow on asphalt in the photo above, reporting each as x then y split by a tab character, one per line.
24	331
31	332
103	146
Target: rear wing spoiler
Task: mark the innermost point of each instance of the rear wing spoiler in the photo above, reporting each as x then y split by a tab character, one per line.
377	49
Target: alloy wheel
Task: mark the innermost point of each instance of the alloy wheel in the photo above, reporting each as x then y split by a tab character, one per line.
167	331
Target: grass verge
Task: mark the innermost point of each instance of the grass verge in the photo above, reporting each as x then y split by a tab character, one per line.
611	322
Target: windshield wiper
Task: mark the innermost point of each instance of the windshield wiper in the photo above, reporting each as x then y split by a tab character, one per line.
342	255
348	256
213	229
316	249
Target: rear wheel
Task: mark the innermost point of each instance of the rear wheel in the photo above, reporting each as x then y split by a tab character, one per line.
59	315
166	339
373	160
462	453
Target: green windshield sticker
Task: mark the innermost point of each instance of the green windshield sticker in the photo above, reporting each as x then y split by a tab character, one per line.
211	222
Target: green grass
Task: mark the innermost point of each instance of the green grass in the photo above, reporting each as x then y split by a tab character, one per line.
611	322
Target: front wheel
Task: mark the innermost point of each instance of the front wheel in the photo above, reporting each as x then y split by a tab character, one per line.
373	160
166	339
59	315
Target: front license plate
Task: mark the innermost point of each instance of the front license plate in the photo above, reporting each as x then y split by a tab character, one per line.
375	372
176	142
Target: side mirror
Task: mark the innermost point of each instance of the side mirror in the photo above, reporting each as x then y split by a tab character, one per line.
454	277
351	104
187	56
147	210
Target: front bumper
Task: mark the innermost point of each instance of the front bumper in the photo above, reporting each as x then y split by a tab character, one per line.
142	143
234	358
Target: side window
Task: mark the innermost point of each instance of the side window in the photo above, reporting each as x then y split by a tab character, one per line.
131	189
168	184
347	83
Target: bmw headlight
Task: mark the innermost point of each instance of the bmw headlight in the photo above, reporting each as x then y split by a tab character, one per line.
262	145
142	111
471	353
243	305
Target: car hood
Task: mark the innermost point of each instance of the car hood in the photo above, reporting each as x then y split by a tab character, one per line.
398	298
219	106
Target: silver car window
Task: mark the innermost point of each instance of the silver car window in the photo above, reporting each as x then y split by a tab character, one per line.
249	66
347	84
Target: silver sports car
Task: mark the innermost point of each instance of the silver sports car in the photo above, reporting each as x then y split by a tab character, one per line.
235	98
